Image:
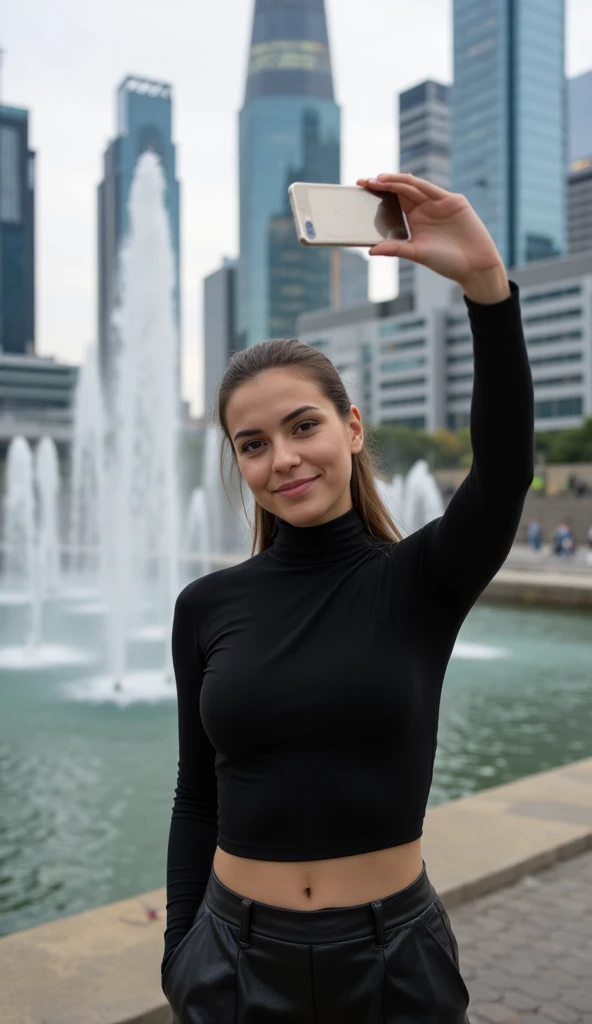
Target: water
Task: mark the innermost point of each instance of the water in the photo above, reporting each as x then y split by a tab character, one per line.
87	786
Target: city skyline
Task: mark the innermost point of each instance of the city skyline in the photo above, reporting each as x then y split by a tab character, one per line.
70	109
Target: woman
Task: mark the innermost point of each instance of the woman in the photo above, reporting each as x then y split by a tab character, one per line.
309	680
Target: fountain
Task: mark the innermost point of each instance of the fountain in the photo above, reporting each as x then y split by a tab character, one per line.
413	500
31	546
88	518
130	488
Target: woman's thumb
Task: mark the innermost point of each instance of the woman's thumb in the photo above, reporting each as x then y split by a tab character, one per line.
392	248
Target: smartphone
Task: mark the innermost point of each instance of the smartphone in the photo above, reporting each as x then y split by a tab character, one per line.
346	215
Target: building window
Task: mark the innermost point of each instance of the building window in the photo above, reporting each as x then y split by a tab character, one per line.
557	294
556	407
10	193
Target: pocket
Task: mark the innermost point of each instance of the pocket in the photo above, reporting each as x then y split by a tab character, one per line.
200	981
422	979
201	913
437	926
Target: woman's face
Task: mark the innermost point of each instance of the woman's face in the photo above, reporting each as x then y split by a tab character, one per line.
314	443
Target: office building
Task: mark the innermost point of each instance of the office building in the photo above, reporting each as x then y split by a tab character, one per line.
36	386
424	145
579	92
144	122
410	363
17	233
219	313
509	131
579	206
289	131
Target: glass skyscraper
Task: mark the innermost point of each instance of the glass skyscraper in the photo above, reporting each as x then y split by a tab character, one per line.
144	122
289	131
17	233
509	122
580	117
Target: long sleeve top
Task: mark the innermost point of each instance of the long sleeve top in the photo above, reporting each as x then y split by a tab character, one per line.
309	676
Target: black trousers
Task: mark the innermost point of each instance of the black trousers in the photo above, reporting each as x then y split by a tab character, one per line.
393	961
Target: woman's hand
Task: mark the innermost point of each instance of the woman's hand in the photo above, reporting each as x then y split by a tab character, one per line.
446	235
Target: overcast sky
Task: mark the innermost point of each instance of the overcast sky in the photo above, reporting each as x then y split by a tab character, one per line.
64	59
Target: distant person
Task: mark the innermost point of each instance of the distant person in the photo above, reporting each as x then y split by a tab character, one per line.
563	540
309	676
535	534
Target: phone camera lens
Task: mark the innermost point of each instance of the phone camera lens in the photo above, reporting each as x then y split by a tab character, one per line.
310	231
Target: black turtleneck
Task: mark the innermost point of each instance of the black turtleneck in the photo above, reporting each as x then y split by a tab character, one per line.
309	676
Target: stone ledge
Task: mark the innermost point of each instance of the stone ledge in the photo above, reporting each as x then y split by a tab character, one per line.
539	587
103	966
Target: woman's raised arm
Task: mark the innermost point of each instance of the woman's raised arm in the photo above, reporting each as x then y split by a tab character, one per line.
461	551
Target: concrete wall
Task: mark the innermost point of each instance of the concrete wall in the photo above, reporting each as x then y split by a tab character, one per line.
548	508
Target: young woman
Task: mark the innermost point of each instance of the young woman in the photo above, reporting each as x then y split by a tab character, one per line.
309	680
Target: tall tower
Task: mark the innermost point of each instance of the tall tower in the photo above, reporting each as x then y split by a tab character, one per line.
509	122
144	122
17	233
289	131
424	146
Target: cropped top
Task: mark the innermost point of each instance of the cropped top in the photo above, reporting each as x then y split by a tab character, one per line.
309	676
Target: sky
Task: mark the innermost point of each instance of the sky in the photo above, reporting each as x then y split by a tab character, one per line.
64	60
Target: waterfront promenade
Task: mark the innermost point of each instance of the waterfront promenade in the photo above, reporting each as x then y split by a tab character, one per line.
522	949
526	950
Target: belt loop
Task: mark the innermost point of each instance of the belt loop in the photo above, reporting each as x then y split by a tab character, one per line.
378	909
245	921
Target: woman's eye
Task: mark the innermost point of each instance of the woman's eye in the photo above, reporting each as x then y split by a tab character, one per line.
306	423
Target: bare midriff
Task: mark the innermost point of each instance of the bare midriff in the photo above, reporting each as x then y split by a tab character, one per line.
315	884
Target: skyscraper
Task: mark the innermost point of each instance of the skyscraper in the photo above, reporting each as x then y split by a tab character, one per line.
17	233
580	117
289	131
219	303
424	146
144	122
509	122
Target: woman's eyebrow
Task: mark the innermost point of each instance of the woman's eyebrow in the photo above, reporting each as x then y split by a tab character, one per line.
285	419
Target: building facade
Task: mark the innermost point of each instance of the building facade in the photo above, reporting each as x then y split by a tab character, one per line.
144	122
411	364
219	325
424	145
579	206
509	130
580	117
17	233
289	130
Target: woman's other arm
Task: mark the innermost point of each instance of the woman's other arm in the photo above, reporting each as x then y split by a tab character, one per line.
194	824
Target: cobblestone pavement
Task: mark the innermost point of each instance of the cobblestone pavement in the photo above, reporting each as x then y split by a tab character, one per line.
526	951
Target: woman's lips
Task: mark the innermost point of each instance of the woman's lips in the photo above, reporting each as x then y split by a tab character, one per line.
294	492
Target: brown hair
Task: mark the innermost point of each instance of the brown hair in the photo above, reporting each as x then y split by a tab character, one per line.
309	363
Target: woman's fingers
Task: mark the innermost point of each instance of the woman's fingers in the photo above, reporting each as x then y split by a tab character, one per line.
403	189
431	191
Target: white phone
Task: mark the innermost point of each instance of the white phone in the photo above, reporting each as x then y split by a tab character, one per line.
345	215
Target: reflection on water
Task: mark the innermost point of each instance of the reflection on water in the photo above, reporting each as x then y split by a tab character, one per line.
86	785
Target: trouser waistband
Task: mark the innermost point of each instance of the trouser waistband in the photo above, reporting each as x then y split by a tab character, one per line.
317	926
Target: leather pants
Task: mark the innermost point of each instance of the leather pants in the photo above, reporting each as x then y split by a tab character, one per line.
392	961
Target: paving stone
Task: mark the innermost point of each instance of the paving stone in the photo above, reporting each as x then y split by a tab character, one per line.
535	1018
579	998
520	1001
495	1013
526	951
561	1014
482	993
